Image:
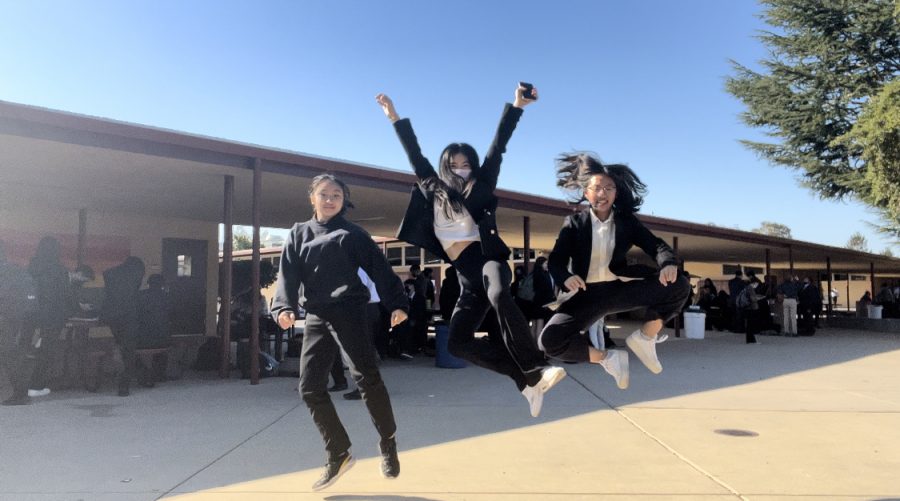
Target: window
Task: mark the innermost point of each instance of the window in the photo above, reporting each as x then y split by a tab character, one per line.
413	255
519	254
184	266
840	277
395	256
431	258
859	278
730	269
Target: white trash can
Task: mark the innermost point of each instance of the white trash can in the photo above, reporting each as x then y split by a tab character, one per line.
694	324
875	311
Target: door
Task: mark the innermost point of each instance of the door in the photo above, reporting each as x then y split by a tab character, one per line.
184	270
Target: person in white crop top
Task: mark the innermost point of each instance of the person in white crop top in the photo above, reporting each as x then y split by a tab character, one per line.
451	214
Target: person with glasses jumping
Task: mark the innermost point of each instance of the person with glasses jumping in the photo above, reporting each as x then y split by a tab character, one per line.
589	261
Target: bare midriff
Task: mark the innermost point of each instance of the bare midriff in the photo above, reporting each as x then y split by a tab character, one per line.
457	248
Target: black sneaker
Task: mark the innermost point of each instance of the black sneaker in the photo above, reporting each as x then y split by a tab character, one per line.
353	395
334	468
390	463
338	387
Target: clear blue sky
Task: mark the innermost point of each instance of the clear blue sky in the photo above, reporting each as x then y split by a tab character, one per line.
637	82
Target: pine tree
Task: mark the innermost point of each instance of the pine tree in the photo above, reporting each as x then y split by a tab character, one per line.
827	59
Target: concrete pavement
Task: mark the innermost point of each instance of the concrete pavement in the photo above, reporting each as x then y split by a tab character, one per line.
792	418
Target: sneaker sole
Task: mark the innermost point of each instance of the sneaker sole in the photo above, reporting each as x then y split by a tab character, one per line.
349	464
639	352
623	382
556	378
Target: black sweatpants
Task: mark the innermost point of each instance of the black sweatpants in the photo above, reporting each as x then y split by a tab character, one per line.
485	285
561	337
319	351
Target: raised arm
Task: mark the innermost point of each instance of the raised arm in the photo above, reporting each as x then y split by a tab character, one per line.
490	169
421	166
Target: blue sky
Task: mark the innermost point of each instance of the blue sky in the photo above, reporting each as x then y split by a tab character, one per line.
637	82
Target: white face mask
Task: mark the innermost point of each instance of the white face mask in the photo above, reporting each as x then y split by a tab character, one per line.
463	173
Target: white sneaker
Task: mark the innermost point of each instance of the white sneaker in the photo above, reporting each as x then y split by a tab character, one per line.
39	393
645	349
616	364
549	377
535	398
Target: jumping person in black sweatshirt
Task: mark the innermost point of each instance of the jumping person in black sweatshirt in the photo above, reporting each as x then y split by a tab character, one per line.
319	272
452	215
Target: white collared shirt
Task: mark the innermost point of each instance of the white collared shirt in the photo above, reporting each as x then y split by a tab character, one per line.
603	241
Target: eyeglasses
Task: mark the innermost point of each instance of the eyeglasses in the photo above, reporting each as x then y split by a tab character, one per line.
336	197
604	189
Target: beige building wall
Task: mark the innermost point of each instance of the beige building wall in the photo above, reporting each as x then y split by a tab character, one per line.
107	235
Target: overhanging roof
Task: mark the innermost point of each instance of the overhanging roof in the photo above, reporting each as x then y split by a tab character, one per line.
69	162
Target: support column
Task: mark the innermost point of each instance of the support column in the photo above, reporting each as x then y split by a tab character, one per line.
680	270
872	277
768	262
254	325
82	235
830	309
791	260
526	243
226	285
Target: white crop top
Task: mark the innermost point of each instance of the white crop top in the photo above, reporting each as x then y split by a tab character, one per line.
460	228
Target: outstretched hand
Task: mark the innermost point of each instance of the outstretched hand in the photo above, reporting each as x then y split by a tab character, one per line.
520	101
387	106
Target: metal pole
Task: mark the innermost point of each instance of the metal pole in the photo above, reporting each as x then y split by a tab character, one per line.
255	313
791	260
226	285
768	262
680	270
872	277
82	235
828	292
526	245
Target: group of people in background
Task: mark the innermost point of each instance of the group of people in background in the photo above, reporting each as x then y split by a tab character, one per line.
753	306
38	301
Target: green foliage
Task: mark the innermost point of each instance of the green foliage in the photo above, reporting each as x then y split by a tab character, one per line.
241	240
827	59
877	135
858	242
773	229
887	250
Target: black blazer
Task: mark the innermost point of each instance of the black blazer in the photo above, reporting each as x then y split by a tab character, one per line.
417	227
575	241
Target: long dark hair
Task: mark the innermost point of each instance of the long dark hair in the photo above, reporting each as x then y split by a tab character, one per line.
450	189
321	178
46	257
574	172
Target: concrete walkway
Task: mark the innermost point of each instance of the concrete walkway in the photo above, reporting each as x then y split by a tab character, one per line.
792	418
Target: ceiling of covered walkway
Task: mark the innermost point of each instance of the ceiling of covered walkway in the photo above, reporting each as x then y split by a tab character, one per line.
68	162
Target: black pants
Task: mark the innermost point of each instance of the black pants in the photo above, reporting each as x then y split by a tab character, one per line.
17	354
485	285
561	337
124	330
319	351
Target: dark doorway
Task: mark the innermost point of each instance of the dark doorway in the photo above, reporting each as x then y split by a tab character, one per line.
184	270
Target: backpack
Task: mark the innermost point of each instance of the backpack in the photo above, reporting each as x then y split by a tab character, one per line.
18	292
743	300
525	291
